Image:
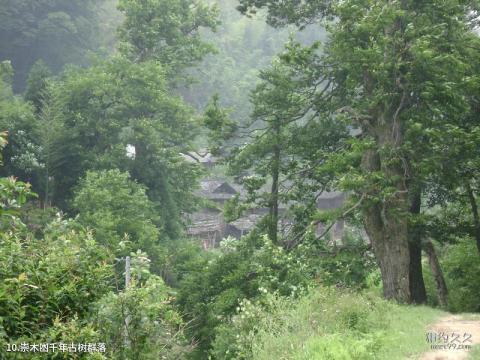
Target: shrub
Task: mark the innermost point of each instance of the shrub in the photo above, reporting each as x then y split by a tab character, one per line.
215	287
234	339
119	211
46	281
461	266
154	329
241	270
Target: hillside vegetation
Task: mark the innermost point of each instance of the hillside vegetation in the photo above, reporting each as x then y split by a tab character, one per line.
238	179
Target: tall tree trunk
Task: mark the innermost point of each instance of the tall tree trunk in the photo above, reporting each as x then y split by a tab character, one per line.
386	217
476	218
386	225
273	224
442	290
417	285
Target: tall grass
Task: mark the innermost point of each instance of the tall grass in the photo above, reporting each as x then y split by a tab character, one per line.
332	324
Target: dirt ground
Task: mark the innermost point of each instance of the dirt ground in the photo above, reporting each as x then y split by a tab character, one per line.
457	325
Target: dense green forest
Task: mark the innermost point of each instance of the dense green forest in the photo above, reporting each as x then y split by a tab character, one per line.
251	179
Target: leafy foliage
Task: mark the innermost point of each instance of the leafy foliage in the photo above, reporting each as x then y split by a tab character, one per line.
21	156
398	122
59	288
48	282
118	209
154	328
461	265
166	30
122	217
244	272
13	194
300	13
37	83
214	288
115	105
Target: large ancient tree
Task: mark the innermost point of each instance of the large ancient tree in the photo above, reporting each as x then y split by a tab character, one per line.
398	71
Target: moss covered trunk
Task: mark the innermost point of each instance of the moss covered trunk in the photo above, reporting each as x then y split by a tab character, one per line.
386	219
388	234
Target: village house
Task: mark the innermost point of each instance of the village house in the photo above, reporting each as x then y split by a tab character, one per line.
209	225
